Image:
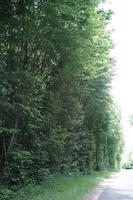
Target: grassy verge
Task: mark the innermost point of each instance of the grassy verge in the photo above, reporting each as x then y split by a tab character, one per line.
62	188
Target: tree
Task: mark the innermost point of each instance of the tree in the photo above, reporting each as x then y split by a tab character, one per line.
55	75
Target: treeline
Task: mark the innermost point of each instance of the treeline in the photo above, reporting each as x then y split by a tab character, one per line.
56	111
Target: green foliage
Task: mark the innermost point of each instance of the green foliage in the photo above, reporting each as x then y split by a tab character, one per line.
6	194
62	187
57	115
23	167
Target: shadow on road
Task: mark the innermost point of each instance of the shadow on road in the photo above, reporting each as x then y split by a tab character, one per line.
116	194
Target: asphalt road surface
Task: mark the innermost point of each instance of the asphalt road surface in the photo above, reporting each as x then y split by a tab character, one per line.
119	188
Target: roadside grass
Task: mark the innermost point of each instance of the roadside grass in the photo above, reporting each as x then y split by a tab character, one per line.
62	187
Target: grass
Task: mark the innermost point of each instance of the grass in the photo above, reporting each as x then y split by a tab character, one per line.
63	188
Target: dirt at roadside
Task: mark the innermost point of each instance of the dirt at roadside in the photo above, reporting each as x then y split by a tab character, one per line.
95	193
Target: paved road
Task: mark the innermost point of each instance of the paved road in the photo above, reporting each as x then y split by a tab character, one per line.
119	188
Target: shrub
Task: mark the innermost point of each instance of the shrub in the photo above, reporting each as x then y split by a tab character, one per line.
23	167
6	194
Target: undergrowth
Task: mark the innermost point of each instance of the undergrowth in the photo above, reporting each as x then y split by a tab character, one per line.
62	187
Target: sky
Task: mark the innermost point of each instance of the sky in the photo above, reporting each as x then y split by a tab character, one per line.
122	23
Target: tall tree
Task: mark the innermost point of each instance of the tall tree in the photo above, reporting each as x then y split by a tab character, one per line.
55	74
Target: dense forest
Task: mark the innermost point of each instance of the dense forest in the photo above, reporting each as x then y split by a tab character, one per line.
57	115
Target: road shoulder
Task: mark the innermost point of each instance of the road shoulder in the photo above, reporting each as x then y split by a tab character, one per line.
96	192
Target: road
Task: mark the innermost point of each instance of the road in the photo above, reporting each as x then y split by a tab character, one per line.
120	187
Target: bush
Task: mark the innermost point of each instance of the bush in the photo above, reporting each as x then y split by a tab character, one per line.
23	167
6	194
18	166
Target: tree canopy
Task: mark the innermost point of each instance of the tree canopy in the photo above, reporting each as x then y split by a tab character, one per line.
57	114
